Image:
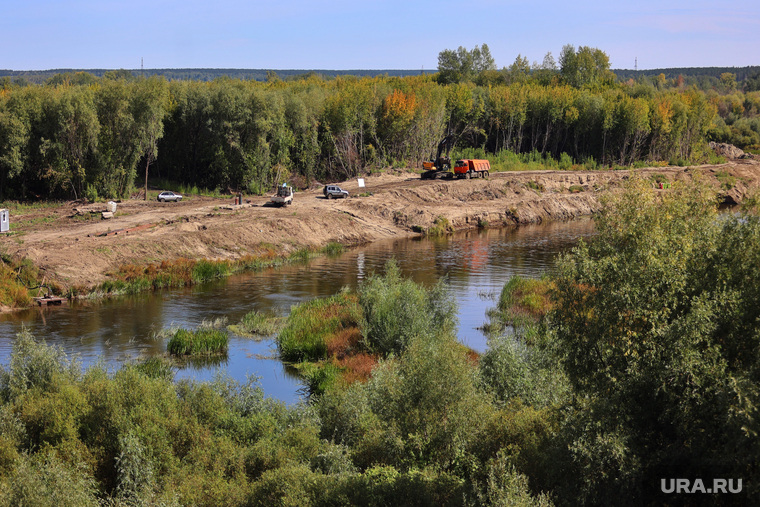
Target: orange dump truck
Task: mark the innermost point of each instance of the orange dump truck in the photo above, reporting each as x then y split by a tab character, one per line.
472	168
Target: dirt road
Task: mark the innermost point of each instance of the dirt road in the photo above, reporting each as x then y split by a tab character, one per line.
73	250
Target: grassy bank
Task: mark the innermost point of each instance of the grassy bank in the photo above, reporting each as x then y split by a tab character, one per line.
181	272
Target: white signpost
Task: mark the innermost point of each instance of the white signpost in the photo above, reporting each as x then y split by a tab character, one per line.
4	221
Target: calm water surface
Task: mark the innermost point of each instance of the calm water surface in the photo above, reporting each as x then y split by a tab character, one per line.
476	263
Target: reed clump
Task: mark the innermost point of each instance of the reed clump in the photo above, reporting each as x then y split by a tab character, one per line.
204	341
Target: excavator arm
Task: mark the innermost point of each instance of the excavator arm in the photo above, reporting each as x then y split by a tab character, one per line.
445	145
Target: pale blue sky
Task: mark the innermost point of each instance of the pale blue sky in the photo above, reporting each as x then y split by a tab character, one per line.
367	34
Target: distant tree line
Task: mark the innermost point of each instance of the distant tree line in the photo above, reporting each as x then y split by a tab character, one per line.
100	137
694	75
24	77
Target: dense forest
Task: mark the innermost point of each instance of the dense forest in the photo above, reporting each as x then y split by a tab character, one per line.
80	135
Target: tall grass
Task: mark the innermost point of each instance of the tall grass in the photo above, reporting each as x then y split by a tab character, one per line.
206	270
332	248
256	323
310	326
200	341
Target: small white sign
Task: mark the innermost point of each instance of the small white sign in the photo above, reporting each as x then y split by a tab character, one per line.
5	224
361	182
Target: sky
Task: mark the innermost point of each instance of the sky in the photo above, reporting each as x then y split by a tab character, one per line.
369	34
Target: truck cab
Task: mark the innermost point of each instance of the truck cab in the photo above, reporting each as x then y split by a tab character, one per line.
470	168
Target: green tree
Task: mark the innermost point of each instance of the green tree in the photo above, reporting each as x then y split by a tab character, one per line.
14	140
149	107
589	67
656	323
455	66
68	141
118	153
519	71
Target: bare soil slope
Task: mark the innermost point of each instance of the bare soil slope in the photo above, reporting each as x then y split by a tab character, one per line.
74	252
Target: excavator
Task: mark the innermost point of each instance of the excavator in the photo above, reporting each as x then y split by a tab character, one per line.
441	166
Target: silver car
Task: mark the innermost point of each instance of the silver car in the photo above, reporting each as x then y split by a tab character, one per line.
169	196
334	191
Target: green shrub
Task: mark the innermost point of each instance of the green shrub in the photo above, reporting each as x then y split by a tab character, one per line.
319	377
727	182
397	309
34	364
135	470
293	485
156	367
524	300
201	341
300	255
429	398
44	480
511	369
506	486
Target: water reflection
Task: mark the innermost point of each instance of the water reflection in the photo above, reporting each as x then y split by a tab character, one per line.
475	263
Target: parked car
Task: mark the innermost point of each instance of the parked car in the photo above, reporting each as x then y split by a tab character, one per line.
169	196
334	191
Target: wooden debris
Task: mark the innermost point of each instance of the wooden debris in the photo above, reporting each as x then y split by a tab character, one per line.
50	301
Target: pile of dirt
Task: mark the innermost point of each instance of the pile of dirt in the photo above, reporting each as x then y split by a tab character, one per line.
729	151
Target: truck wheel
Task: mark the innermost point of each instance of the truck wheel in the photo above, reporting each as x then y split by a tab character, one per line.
486	174
467	175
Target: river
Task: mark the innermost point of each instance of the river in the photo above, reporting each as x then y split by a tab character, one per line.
477	264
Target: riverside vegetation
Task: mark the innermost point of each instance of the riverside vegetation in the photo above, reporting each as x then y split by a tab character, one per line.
632	361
